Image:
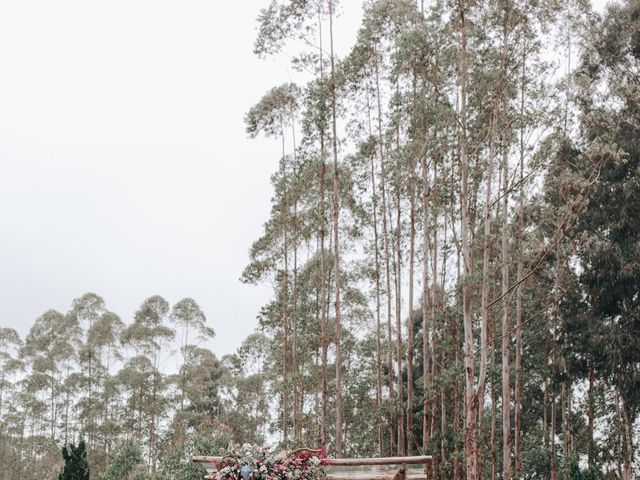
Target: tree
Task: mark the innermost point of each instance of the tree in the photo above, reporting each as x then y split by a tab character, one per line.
608	228
126	463
85	312
76	465
47	346
187	315
10	343
147	335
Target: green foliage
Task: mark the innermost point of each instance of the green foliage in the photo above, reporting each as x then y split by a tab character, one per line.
76	465
125	462
176	466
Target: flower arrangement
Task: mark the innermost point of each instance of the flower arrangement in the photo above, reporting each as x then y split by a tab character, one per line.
261	463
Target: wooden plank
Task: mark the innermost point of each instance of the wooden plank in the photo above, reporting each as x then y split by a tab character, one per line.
409	474
419	475
344	462
362	462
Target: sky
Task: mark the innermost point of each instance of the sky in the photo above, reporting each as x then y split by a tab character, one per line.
125	168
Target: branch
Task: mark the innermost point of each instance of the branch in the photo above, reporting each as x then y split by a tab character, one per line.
564	227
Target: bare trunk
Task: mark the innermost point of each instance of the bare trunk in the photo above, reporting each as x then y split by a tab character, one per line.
434	289
285	307
377	290
385	236
324	307
294	343
520	269
627	444
554	359
458	396
506	338
399	353
471	392
590	397
410	394
426	307
336	240
494	444
486	252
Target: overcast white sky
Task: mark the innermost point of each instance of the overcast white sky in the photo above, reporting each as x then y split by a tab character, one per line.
124	166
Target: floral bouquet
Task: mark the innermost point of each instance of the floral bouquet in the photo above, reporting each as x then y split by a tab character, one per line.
260	463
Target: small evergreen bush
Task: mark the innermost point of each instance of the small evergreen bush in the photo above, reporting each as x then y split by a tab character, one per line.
76	465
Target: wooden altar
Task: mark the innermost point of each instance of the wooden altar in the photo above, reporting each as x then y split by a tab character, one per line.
383	468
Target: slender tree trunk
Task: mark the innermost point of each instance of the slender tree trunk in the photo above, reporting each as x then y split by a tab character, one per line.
627	443
458	395
324	437
154	403
552	435
590	397
506	338
520	270
410	394
494	444
285	303
620	443
399	352
374	197
324	308
426	307
471	393
385	237
554	359
434	291
443	424
564	408
336	241
90	392
67	404
2	381
294	344
486	251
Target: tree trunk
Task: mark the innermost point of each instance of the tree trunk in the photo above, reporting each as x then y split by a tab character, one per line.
590	397
426	307
294	344
285	306
471	392
385	237
399	349
494	444
412	238
336	241
520	269
506	338
324	307
434	291
374	197
554	360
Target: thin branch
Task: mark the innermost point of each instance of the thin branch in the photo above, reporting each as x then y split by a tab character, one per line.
564	227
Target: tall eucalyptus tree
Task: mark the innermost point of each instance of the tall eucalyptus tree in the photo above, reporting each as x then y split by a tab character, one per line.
147	336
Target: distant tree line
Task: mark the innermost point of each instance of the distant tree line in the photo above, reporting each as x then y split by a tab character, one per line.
85	375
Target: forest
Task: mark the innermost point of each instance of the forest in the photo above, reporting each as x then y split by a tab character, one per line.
454	252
